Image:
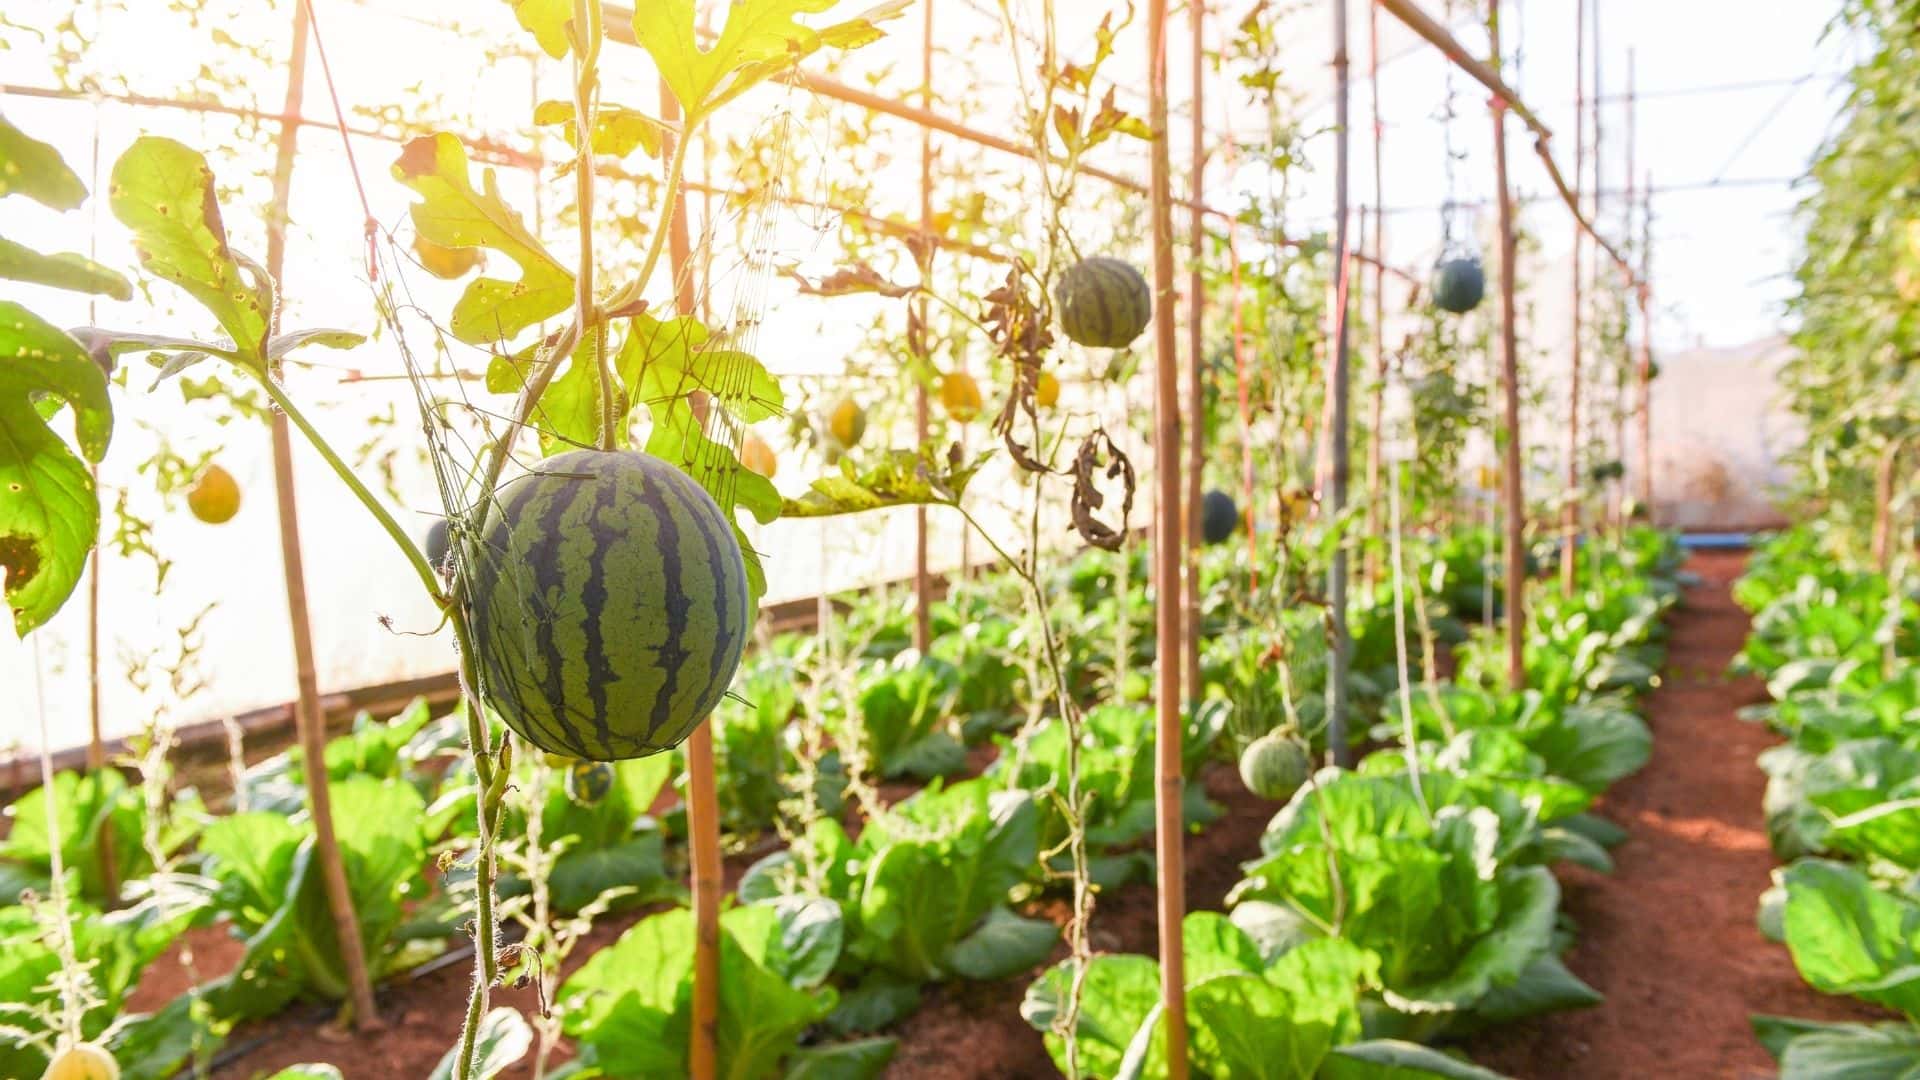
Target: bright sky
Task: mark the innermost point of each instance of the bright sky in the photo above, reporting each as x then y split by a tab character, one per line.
1721	256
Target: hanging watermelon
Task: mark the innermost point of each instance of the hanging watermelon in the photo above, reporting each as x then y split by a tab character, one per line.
1274	767
215	496
1459	284
609	604
439	545
588	782
847	423
1104	303
960	396
1219	518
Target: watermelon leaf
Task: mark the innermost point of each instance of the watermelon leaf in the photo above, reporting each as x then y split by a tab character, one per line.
51	515
453	214
895	478
163	191
547	21
70	271
761	39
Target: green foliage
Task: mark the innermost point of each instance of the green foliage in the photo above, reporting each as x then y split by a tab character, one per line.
90	808
272	894
629	1008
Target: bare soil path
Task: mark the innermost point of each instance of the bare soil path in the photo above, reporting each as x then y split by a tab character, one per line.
1669	937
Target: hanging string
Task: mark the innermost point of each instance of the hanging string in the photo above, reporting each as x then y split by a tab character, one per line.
1408	739
371	224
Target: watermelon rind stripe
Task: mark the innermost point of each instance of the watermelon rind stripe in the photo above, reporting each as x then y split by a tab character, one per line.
672	652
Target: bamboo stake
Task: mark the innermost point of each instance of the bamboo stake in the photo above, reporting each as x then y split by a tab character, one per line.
1338	378
1196	310
1169	782
308	721
1620	407
96	745
1570	532
703	802
1516	504
1376	408
917	342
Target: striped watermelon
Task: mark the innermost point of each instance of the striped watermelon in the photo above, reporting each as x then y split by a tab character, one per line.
609	605
1459	284
1219	518
1104	303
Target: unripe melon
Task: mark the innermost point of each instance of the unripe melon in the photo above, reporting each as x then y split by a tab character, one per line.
960	396
1046	390
215	496
439	544
1104	303
82	1061
758	457
1274	767
1459	284
588	782
1219	518
847	423
609	604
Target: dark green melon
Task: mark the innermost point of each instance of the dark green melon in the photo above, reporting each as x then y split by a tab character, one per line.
438	545
1104	303
1459	284
1219	518
609	605
588	782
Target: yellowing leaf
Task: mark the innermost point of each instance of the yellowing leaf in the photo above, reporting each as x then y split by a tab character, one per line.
163	191
453	214
761	38
445	262
49	514
617	130
547	21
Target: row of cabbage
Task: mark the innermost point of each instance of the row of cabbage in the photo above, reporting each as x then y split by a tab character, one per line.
1836	644
1392	906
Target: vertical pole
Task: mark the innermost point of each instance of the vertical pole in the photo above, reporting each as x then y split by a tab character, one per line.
308	721
1196	311
1644	369
917	340
1516	503
703	801
1570	532
96	745
1377	405
1169	835
1620	384
1337	380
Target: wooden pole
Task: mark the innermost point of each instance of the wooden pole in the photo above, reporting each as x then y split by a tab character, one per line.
1570	532
1643	410
917	342
1196	362
1376	408
96	745
308	720
1169	782
1338	378
703	802
1516	504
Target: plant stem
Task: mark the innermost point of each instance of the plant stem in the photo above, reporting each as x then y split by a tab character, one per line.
340	468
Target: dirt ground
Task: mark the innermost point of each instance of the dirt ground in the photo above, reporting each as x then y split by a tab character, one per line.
1669	937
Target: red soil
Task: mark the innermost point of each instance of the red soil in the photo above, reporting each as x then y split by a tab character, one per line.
1669	936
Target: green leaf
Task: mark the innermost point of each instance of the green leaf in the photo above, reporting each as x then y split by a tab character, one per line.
1545	986
761	39
1120	993
163	191
1849	937
863	1059
452	214
1004	945
1389	1059
282	344
503	1039
1889	1051
307	1072
32	168
70	271
617	130
50	515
